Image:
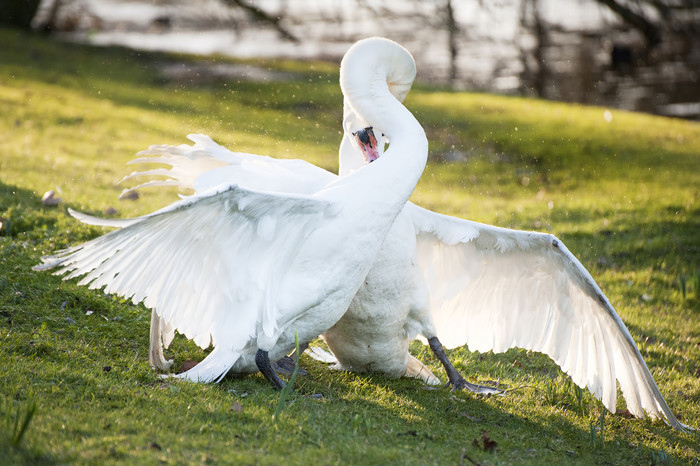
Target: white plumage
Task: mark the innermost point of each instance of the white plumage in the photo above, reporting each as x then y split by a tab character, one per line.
438	276
246	269
494	289
487	287
463	282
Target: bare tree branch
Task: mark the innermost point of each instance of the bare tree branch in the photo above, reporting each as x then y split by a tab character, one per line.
452	32
263	16
47	21
636	20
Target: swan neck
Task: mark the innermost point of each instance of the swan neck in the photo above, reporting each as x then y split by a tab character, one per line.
367	71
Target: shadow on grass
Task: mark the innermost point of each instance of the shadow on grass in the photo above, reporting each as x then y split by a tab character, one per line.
21	211
452	422
10	454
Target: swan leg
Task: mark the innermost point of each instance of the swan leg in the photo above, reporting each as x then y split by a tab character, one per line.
156	358
455	378
262	360
286	364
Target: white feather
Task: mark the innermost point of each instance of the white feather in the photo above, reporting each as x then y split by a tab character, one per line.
205	165
320	354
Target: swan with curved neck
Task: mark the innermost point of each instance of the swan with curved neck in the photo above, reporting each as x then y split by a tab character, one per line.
248	269
492	289
468	283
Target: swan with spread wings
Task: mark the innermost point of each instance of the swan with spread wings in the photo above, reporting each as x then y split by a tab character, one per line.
247	270
452	281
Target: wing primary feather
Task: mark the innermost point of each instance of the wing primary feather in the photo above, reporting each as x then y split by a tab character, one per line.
102	222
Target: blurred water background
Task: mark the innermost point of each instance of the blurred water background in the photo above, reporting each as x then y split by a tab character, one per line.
569	50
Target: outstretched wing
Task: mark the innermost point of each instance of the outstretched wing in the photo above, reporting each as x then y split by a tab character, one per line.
205	164
209	265
493	289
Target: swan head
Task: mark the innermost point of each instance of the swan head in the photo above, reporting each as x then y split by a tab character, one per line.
362	138
366	141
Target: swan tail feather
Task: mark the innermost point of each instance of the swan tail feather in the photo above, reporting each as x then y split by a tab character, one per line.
213	368
320	354
417	370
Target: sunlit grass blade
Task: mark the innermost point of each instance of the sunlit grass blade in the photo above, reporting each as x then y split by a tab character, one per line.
287	390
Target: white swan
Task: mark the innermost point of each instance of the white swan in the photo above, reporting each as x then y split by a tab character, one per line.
488	287
468	283
247	269
492	289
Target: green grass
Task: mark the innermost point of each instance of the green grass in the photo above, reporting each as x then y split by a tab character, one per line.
623	195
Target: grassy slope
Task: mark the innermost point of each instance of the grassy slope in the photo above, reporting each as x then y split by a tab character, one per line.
623	195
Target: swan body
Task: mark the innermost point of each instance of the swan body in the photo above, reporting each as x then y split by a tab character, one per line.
389	309
438	276
246	269
491	289
487	287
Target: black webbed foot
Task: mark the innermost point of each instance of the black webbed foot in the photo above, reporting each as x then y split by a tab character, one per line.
462	384
286	366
